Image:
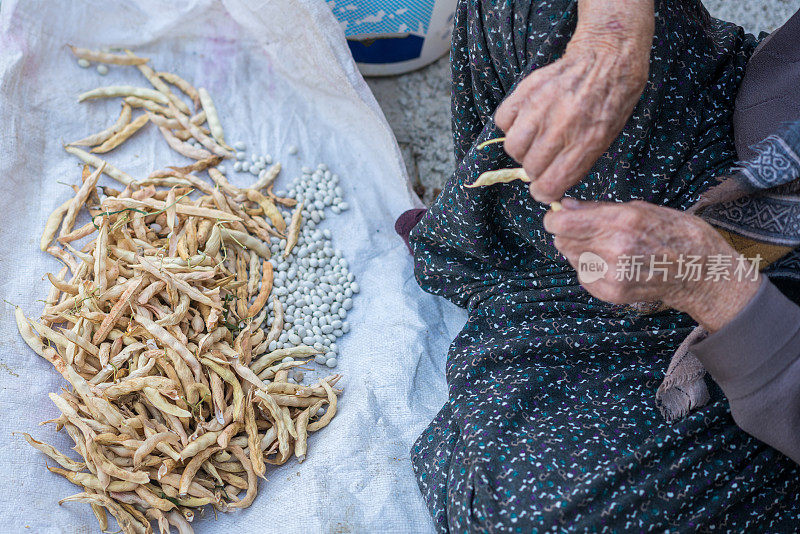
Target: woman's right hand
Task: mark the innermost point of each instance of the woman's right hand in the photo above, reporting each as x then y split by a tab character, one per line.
564	116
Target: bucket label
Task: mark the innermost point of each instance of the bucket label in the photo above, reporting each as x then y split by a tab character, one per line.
381	17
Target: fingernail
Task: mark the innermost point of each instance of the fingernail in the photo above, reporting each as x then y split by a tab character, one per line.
556	206
545	220
570	203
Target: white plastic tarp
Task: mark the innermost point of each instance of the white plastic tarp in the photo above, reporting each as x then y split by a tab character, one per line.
281	75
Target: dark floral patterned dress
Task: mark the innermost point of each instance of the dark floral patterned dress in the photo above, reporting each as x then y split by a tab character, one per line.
551	422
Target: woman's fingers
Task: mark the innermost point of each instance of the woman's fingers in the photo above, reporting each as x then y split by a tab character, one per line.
521	135
567	168
584	222
506	113
541	153
575	204
520	98
508	110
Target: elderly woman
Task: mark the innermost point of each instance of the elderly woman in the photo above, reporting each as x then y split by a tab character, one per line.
627	108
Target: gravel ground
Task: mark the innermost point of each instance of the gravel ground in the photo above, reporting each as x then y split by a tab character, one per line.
417	105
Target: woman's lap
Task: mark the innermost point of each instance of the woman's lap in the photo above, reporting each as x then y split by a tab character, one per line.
549	426
550	419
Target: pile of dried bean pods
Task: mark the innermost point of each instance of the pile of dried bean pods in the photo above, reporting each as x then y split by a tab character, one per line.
179	397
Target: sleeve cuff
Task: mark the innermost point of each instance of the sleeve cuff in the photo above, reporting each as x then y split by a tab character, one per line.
752	349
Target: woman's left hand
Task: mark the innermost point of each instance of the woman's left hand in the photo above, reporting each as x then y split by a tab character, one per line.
653	253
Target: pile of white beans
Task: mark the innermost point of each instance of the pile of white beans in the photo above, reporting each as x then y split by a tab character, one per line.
314	283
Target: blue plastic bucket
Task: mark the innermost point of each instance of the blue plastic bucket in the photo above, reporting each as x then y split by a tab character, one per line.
395	36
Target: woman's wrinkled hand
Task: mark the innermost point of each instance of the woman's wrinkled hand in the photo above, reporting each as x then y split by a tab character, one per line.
653	253
564	116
